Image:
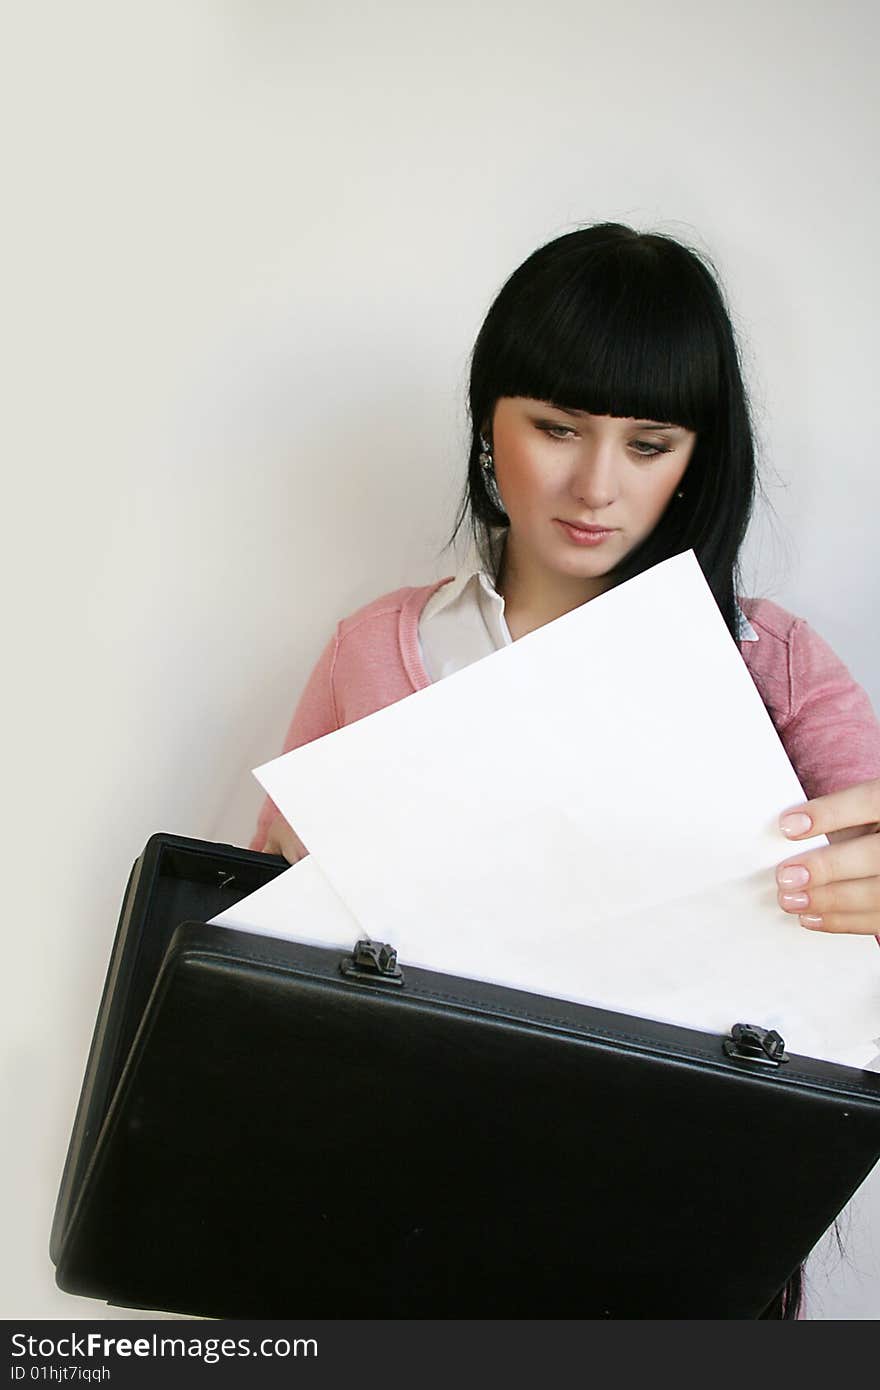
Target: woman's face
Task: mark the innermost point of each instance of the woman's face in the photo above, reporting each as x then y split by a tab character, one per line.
604	472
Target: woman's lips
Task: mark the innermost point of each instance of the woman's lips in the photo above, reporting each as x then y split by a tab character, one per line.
586	535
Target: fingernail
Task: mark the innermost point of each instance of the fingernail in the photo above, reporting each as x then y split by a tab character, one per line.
796	899
797	823
811	921
793	876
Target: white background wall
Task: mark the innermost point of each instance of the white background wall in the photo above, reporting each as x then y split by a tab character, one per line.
248	247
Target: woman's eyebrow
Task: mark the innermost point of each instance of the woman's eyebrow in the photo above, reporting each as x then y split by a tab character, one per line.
638	424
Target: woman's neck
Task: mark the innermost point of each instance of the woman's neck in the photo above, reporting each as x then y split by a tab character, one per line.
534	596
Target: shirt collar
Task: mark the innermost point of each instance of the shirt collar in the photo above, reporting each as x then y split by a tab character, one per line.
481	581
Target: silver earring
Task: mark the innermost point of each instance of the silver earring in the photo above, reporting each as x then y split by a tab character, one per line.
487	465
679	494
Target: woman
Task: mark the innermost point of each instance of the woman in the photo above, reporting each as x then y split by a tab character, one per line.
611	431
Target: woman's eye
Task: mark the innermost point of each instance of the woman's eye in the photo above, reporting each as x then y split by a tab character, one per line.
557	431
647	449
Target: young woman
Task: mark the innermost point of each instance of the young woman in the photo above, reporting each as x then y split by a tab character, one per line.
611	431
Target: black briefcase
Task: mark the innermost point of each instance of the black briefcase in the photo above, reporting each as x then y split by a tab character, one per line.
268	1129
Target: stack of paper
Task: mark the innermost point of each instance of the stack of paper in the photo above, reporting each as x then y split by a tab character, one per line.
591	814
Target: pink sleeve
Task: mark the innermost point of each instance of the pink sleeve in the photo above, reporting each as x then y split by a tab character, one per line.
832	735
314	716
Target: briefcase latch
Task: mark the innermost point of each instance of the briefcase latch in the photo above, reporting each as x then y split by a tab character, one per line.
748	1043
372	961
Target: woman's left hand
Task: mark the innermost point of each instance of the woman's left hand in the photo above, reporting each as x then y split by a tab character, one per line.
835	888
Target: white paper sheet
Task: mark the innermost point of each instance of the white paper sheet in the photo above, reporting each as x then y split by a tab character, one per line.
590	813
298	905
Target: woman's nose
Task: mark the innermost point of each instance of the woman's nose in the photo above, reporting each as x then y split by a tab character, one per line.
595	479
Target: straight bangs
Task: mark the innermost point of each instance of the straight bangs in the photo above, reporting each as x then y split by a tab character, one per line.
609	338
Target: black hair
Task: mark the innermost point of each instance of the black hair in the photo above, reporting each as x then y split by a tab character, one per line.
618	322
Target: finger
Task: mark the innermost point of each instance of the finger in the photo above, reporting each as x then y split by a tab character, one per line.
293	848
851	895
846	859
274	847
858	805
840	923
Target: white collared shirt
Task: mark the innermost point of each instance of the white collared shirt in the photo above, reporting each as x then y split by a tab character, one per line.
464	620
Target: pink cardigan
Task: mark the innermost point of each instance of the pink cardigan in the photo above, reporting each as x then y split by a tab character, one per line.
824	719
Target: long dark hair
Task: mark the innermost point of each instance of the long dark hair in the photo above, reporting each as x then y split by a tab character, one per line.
625	323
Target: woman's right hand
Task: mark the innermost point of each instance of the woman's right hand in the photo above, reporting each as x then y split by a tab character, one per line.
281	839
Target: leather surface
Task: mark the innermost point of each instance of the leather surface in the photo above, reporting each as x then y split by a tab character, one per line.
282	1141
